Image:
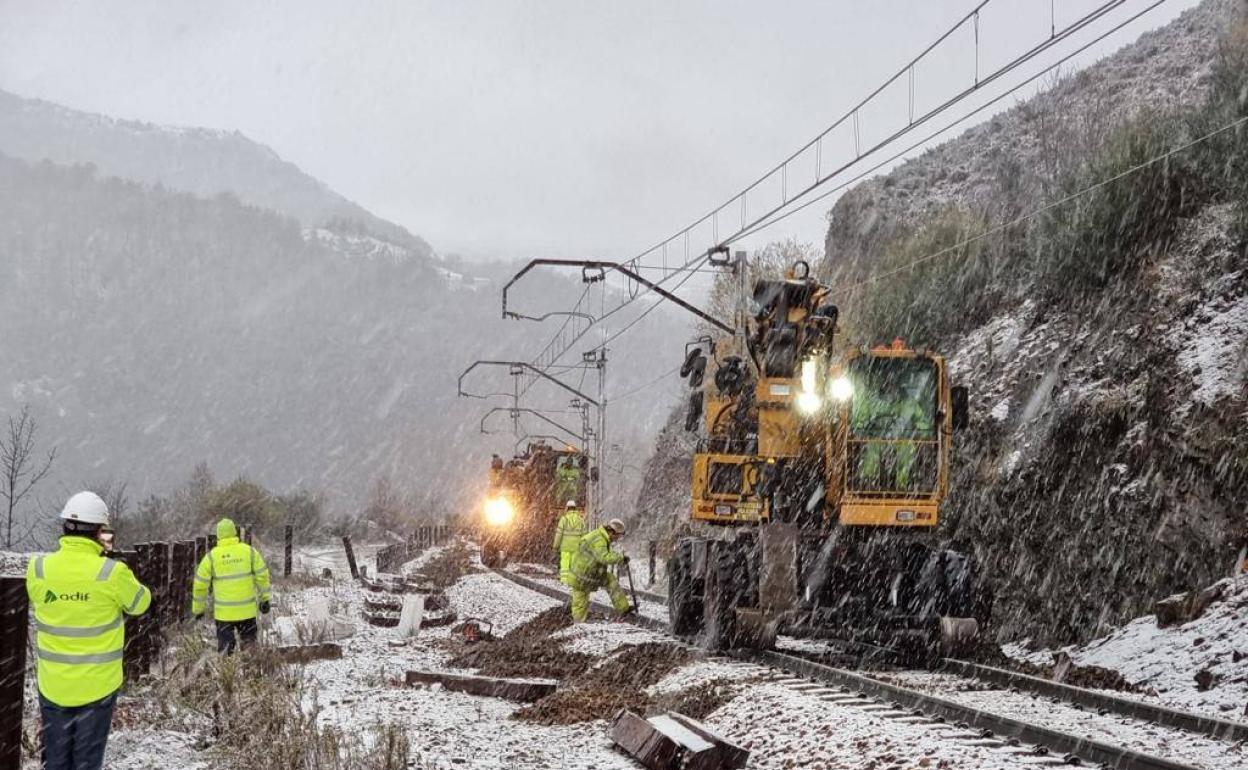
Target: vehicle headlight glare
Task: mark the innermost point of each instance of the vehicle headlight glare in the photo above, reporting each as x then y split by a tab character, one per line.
841	388
807	403
498	512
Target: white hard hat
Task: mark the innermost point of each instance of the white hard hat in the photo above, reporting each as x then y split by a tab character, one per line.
616	526
571	504
86	507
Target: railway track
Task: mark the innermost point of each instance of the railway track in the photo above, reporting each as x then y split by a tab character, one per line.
1031	741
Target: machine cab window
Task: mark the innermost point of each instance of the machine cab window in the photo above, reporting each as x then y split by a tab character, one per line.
893	430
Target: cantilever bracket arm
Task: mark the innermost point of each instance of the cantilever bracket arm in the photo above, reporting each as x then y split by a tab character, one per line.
591	265
516	365
535	413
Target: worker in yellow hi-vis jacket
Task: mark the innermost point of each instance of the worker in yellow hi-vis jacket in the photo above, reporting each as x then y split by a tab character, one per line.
568	534
589	570
238	578
80	598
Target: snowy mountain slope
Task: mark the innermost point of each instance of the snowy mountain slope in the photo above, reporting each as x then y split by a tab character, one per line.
150	330
196	160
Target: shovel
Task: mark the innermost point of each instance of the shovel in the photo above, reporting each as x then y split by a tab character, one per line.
628	570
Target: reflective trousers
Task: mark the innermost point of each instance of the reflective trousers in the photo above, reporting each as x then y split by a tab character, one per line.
234	634
581	592
565	567
903	462
74	737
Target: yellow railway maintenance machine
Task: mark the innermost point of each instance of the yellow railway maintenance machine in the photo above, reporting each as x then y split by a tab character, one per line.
527	495
831	467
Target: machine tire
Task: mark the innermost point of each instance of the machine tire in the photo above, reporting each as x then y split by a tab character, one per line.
727	586
684	602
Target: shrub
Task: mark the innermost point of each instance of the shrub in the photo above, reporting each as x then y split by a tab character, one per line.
1079	246
264	717
1223	160
933	283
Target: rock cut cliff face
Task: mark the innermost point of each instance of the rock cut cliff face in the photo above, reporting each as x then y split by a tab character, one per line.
1106	464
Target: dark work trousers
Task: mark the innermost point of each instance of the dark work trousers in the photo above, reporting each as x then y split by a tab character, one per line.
74	736
233	634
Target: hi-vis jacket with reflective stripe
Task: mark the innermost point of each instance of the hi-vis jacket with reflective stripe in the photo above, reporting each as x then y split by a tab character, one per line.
238	578
593	556
569	531
79	599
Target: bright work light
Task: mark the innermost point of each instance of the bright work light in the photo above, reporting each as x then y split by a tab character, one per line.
498	512
807	403
841	388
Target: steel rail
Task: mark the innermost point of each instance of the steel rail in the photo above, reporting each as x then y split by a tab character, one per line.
1103	754
637	619
1085	749
1203	724
1221	729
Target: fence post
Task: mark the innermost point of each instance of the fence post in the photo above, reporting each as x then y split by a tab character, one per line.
346	544
160	599
138	629
652	549
14	610
134	626
289	537
183	573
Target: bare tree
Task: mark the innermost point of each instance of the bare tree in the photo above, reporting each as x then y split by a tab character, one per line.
20	466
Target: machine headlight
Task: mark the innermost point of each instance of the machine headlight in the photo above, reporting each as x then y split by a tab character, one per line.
808	403
841	389
498	512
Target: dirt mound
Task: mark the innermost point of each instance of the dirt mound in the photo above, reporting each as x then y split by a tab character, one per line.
542	625
527	651
618	683
446	568
699	701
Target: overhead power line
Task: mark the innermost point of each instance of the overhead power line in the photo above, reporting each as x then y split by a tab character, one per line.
647	386
948	126
561	344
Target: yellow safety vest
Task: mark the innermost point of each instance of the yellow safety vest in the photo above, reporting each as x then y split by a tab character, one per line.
593	555
79	598
570	530
238	578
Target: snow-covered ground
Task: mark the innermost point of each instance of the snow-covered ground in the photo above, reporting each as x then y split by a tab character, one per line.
784	726
1167	660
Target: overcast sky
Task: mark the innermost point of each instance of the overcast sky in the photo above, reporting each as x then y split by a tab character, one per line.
513	128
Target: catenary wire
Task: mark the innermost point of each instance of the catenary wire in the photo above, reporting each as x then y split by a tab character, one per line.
953	124
1055	38
1047	207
